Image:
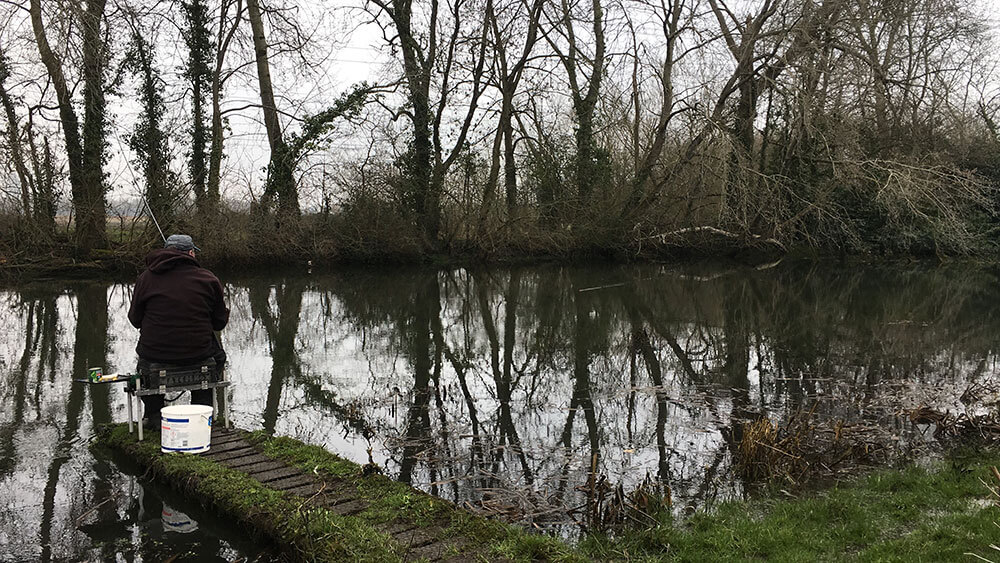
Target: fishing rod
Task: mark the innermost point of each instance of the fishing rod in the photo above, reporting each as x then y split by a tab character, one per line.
131	171
153	217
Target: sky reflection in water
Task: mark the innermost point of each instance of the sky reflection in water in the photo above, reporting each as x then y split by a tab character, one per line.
496	387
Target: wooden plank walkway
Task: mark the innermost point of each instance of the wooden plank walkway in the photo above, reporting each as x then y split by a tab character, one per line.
231	449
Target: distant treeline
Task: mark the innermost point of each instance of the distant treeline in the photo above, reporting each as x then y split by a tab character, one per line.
504	128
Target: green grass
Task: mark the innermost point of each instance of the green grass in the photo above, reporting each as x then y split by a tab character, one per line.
917	514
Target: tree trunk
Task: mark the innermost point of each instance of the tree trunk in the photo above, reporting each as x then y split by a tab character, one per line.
584	101
43	198
70	122
23	176
92	216
426	195
199	175
199	74
215	152
641	195
490	189
280	181
510	77
509	166
585	169
224	36
149	141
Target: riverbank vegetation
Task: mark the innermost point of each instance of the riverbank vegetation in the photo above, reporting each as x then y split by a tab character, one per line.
499	129
942	512
946	510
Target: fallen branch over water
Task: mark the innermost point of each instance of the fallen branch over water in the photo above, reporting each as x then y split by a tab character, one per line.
709	237
961	427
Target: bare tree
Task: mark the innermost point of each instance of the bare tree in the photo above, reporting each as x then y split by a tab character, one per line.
224	37
149	140
86	154
504	27
670	14
427	69
198	71
280	182
14	139
584	90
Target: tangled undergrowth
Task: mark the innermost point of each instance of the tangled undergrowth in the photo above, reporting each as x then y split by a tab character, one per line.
803	449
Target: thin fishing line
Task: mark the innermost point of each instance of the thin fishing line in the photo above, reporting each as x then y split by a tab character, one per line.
155	222
135	182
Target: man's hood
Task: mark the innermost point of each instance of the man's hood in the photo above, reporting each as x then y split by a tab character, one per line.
166	259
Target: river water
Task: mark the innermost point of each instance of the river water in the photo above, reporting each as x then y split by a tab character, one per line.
504	390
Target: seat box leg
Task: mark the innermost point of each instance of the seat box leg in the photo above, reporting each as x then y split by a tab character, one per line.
138	387
128	399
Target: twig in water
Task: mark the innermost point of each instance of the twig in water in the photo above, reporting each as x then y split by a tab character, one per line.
595	288
322	488
780	451
92	510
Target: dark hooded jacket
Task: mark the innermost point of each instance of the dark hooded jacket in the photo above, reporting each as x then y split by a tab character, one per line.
176	306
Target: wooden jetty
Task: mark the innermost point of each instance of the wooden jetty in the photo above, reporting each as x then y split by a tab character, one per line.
319	507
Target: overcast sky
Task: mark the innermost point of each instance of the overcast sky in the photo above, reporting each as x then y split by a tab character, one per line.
353	50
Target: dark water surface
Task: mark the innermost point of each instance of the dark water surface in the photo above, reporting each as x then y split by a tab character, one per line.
499	388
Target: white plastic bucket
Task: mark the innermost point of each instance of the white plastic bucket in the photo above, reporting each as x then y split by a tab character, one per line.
185	428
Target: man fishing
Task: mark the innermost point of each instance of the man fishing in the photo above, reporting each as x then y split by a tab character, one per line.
177	306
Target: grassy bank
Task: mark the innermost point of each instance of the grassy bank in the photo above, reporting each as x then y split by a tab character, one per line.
937	513
940	512
317	534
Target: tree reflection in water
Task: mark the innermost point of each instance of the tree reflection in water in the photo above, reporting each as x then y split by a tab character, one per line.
515	389
518	382
59	500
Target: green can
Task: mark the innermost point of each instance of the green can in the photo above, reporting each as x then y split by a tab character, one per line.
94	374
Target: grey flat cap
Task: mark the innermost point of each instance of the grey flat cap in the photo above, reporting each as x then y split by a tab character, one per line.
180	242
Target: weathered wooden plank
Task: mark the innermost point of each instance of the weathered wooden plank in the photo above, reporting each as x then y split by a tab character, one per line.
309	490
334	498
225	455
289	482
352	506
418	537
397	528
349	508
439	550
462	558
255	457
273	474
255	464
225	437
235	445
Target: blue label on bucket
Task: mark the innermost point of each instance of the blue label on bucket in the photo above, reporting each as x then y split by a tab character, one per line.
185	420
205	447
210	421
